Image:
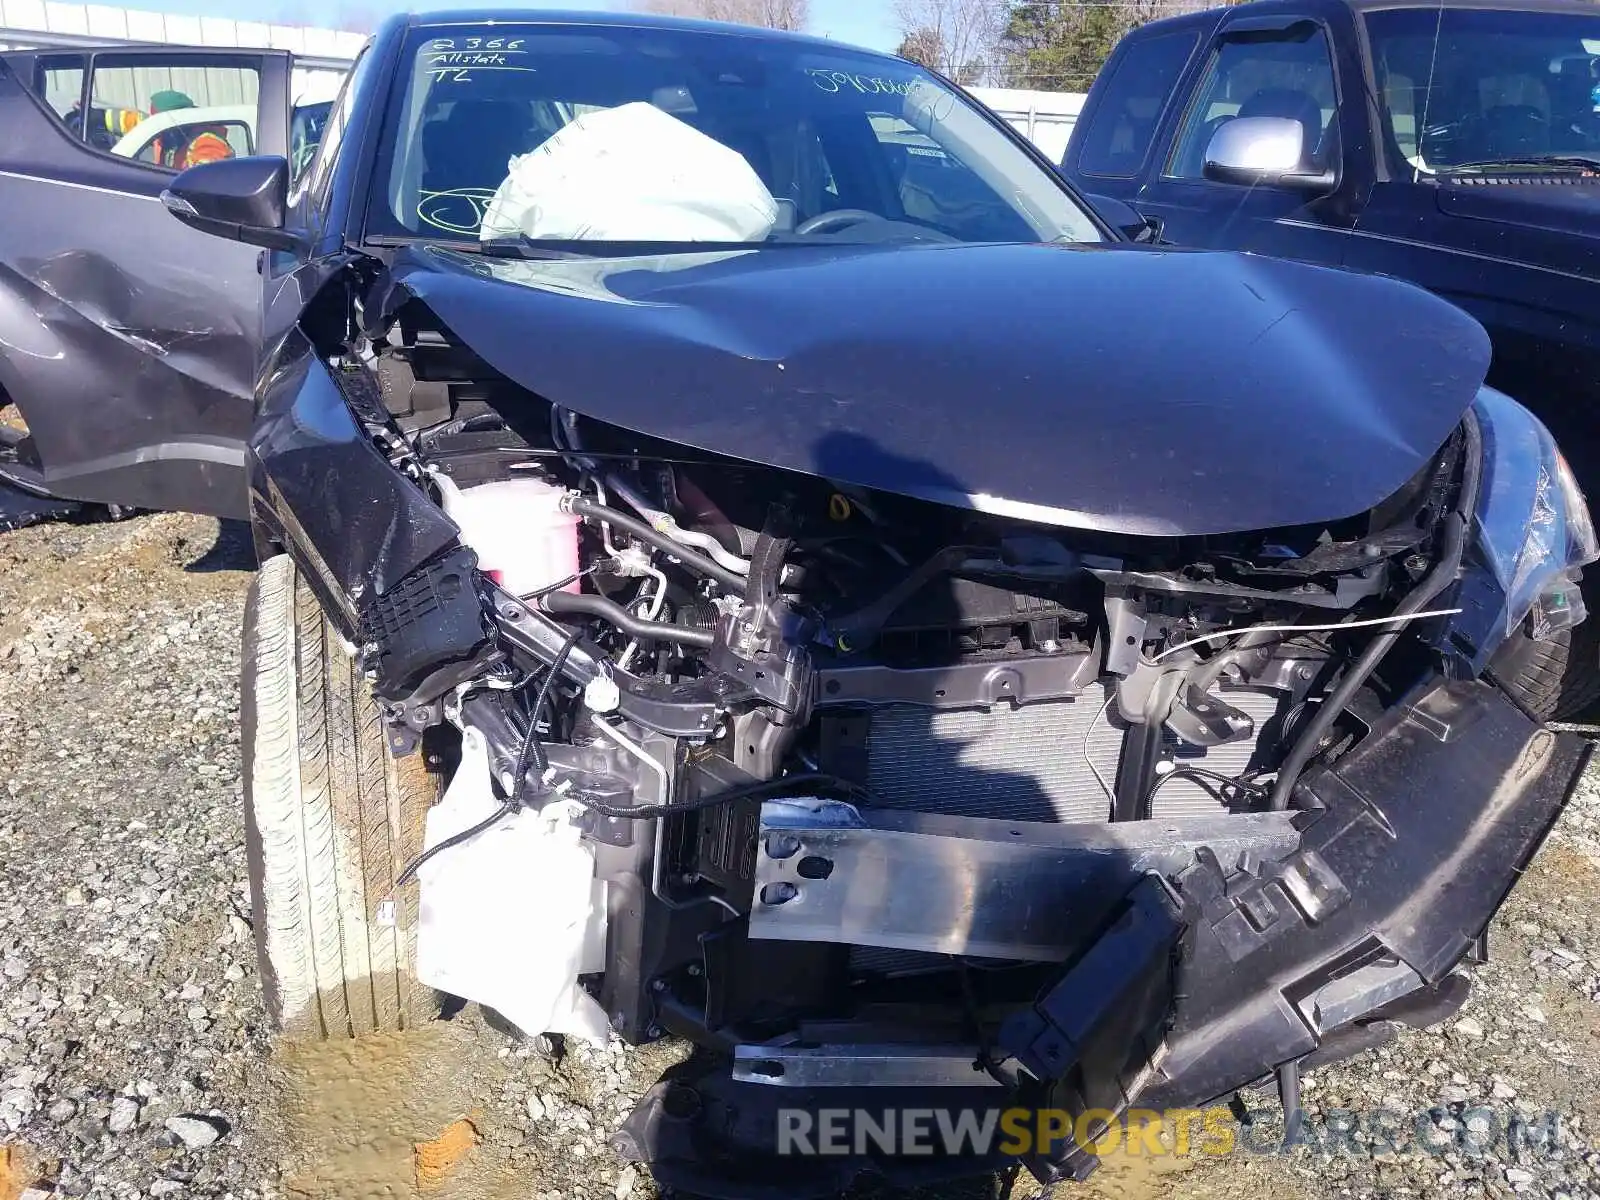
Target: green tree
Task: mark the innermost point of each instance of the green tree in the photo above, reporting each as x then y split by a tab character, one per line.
1052	46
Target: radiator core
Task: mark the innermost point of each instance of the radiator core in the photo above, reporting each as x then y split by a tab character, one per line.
1033	763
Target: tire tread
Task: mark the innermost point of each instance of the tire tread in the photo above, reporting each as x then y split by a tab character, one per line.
1557	678
331	819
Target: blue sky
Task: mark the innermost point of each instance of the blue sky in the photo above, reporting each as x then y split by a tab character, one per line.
863	22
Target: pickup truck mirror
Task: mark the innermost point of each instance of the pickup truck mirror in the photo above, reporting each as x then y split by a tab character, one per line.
242	199
1252	150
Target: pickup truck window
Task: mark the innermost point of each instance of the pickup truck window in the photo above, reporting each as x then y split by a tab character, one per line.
239	134
1118	137
1464	88
1286	77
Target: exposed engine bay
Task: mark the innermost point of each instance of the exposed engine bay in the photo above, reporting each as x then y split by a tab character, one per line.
858	790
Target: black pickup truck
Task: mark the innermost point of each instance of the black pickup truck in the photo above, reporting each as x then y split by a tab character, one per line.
1455	145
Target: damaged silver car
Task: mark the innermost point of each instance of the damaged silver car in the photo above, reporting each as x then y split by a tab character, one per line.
749	556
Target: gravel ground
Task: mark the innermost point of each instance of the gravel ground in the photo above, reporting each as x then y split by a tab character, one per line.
133	1061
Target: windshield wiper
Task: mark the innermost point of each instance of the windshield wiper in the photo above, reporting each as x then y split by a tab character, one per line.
1589	162
523	246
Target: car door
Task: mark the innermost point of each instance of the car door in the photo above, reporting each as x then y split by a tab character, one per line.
128	342
1278	66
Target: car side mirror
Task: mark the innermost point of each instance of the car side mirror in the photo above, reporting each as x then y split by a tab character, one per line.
1254	150
1126	219
242	199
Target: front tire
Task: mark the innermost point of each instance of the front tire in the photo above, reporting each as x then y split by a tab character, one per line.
331	819
1555	679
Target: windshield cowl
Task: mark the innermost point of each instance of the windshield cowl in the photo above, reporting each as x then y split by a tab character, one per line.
1562	163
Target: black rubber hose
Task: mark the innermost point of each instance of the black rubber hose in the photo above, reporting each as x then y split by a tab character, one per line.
532	753
559	604
455	839
1435	581
689	557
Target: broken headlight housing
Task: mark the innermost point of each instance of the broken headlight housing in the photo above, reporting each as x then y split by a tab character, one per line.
1534	530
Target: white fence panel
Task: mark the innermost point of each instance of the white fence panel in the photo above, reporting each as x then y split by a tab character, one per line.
1044	118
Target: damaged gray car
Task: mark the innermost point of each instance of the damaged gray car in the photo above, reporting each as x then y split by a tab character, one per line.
748	556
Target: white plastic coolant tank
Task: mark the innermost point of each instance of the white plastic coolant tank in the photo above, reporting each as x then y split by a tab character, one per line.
524	542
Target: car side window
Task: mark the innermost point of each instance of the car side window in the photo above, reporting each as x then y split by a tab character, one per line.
936	188
1290	77
58	81
306	125
236	133
317	176
167	111
1117	139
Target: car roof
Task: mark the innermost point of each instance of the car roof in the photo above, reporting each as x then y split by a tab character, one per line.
627	20
1584	7
1211	16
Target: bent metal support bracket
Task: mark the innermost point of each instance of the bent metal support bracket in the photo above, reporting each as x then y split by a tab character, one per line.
827	872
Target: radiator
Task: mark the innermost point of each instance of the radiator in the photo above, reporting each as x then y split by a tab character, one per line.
1033	763
1027	764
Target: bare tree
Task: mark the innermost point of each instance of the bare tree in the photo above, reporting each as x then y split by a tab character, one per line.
774	14
784	14
922	46
964	30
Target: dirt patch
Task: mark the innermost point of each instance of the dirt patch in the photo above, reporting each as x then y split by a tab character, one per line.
18	1171
431	1113
378	1115
435	1161
1137	1176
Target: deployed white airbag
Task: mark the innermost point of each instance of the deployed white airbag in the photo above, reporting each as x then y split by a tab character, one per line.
510	918
631	174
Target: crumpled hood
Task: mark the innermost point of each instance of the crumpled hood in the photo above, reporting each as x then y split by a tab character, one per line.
1125	390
